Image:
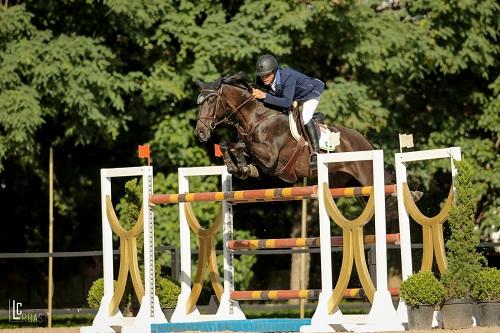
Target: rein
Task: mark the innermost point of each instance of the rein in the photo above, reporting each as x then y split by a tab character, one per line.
226	119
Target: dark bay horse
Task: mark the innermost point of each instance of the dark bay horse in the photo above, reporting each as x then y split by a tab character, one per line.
264	137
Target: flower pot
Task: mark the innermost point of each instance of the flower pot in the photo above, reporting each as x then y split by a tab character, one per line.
168	312
457	314
489	313
420	317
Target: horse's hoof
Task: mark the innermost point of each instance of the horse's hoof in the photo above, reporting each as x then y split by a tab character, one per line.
417	195
223	145
253	171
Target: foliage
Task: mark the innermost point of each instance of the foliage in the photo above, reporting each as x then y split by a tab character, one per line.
167	291
96	292
130	204
463	261
487	285
422	288
64	83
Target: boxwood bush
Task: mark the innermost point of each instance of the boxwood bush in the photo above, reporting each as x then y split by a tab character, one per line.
487	286
422	288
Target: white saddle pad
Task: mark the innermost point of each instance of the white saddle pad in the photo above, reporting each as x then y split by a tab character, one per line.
328	140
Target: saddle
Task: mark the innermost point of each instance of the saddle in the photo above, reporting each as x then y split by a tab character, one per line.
328	141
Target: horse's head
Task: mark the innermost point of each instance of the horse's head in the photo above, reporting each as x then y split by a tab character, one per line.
211	109
218	102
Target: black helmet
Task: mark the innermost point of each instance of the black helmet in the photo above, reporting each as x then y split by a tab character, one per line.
265	65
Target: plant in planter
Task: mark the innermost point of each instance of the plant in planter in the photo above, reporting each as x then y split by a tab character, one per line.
464	262
421	292
486	292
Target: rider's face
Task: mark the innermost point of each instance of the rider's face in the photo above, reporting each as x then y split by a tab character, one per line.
268	78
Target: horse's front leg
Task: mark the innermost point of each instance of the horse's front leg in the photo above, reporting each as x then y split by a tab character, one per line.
228	160
244	169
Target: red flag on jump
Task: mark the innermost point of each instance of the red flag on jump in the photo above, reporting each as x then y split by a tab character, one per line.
144	152
217	151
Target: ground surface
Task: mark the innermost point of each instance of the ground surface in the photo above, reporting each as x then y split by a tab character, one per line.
77	330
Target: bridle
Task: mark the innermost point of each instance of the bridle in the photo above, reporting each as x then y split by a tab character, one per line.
226	118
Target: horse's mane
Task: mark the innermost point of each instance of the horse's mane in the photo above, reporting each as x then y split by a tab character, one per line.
237	80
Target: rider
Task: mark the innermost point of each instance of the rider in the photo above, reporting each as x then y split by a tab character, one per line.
284	85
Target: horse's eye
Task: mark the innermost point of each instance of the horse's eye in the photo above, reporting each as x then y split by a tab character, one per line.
200	99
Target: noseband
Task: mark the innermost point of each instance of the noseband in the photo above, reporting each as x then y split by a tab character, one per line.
226	119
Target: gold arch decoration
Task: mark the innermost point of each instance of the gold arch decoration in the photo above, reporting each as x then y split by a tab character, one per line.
206	255
353	248
128	256
432	230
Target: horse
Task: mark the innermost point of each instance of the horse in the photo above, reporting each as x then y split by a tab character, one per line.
264	136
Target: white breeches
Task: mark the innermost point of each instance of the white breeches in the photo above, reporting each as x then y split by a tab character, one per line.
308	109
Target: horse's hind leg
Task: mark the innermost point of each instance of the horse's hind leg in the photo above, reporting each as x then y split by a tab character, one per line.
228	160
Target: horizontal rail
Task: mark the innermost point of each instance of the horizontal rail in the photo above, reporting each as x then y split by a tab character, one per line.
283	243
161	249
286	193
281	295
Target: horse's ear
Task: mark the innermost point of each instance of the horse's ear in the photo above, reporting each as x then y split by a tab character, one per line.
199	83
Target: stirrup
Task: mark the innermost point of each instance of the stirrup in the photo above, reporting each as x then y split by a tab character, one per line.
313	161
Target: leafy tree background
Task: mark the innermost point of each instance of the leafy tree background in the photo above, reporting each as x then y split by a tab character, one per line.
95	78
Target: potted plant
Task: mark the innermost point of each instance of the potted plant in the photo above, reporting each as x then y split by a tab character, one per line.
486	292
421	292
464	262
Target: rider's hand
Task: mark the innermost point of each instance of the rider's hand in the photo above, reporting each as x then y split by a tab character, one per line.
259	94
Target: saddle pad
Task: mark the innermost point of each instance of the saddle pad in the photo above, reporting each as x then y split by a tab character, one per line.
328	140
293	127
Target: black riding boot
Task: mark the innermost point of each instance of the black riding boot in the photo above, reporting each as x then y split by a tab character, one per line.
314	137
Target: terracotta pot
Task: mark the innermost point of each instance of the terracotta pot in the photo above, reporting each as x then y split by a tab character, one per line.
457	314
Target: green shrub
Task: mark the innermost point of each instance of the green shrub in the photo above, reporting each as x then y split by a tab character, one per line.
95	293
422	289
487	285
167	291
464	262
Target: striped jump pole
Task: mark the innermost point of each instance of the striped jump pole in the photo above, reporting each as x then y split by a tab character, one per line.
286	243
283	295
274	194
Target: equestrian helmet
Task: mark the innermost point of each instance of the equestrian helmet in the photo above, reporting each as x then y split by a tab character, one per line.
266	64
